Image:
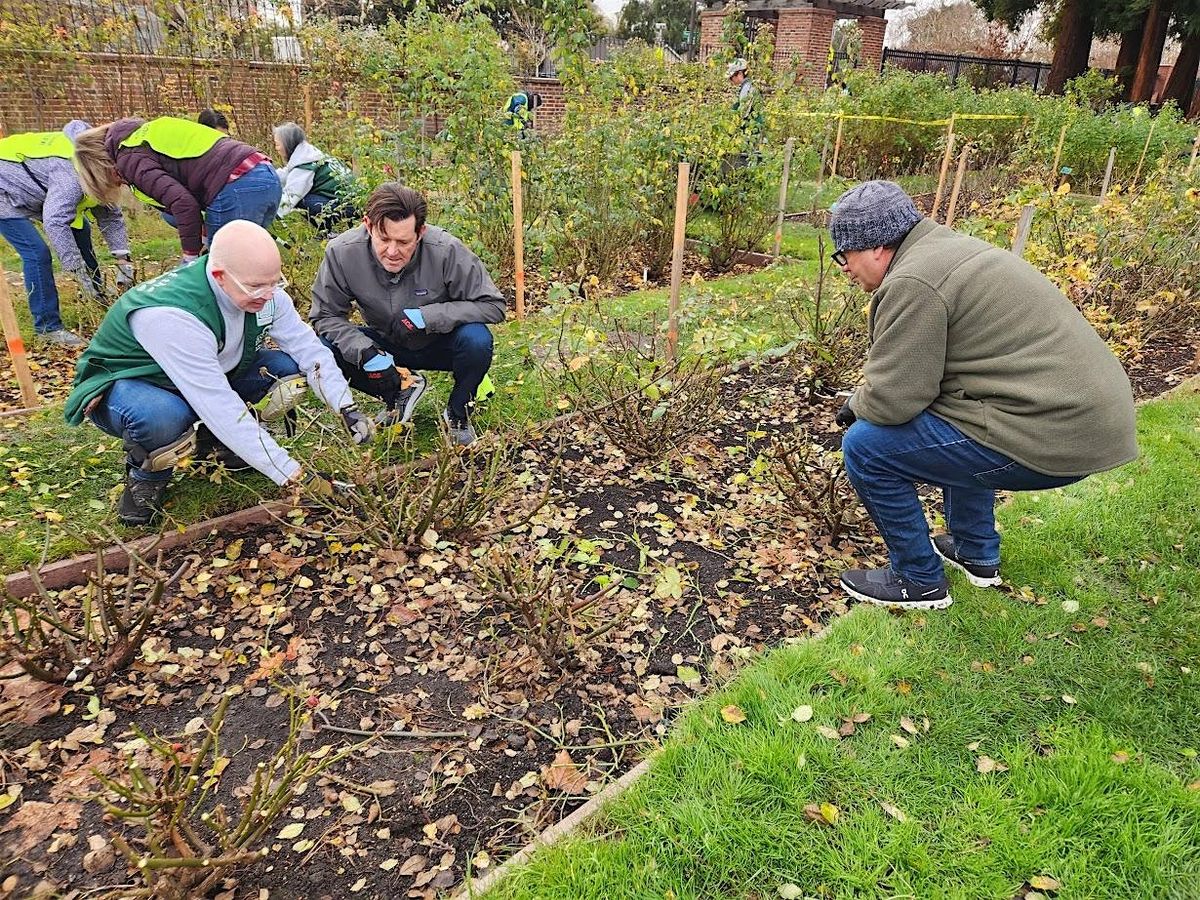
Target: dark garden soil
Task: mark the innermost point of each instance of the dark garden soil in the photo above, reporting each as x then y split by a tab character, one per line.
715	570
476	742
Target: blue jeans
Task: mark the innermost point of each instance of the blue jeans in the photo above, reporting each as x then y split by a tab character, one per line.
466	351
886	462
38	268
326	212
254	197
145	415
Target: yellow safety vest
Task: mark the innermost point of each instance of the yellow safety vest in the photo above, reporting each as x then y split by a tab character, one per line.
176	138
17	148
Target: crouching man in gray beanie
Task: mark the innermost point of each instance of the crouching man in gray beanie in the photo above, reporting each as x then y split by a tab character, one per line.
981	376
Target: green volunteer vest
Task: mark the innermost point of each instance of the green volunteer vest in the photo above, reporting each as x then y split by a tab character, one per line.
331	178
114	353
176	138
44	145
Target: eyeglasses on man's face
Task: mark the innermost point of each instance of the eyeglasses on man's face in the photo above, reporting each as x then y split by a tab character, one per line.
262	291
838	257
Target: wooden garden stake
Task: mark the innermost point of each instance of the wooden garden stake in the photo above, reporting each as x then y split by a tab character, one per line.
1145	149
518	233
1023	226
1062	137
1112	158
958	180
308	108
1195	150
681	202
824	159
837	146
783	193
16	346
946	157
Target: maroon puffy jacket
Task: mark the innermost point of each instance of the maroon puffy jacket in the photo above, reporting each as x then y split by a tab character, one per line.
184	187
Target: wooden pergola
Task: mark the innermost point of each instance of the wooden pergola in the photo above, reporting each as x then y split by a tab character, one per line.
804	30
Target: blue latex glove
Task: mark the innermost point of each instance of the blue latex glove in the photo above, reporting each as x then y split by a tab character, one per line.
416	317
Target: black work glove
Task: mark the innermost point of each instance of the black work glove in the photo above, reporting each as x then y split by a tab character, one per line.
360	427
384	383
845	416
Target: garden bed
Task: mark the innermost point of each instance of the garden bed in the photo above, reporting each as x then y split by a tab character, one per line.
406	639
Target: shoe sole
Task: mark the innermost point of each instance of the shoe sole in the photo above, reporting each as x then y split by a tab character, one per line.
977	580
898	604
418	392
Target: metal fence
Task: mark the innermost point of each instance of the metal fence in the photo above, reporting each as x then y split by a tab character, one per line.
978	71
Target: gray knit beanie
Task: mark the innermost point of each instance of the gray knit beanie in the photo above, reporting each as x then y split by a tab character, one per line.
874	214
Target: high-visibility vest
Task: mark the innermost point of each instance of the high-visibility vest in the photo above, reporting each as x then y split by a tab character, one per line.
176	138
18	148
36	145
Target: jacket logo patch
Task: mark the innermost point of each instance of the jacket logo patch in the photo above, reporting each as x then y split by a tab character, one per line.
423	292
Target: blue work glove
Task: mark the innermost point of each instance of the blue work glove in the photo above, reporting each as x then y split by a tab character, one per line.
412	321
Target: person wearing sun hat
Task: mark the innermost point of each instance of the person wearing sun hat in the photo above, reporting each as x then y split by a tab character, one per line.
981	376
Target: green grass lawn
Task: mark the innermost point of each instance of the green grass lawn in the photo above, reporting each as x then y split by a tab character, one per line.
1041	739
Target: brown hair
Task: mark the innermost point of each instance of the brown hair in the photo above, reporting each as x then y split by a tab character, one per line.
392	200
97	171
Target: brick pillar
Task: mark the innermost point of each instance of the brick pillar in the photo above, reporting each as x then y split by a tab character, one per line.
802	40
873	30
710	32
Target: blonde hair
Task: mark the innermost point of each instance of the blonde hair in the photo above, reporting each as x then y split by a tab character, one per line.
97	171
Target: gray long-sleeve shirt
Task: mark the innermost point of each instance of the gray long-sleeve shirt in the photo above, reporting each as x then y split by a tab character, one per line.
444	279
21	197
187	352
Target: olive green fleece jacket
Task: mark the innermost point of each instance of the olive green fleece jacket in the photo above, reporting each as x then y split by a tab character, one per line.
983	340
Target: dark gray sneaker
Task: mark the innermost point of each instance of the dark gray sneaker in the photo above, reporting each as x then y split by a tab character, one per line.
883	587
459	430
980	576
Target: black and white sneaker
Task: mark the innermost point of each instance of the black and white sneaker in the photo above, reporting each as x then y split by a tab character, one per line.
406	402
980	576
883	587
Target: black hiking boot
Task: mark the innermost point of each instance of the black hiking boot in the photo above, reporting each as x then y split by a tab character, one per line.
883	587
980	576
141	501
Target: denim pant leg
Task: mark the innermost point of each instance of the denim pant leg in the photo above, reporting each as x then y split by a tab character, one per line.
886	462
467	353
253	385
144	415
254	197
83	240
38	268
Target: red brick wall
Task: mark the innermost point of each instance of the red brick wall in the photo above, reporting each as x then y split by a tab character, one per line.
41	92
802	40
710	32
873	31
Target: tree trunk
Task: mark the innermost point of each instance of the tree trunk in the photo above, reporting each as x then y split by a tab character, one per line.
1072	45
1145	75
1182	82
1127	56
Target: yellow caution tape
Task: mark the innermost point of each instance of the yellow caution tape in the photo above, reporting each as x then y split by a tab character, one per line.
930	122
